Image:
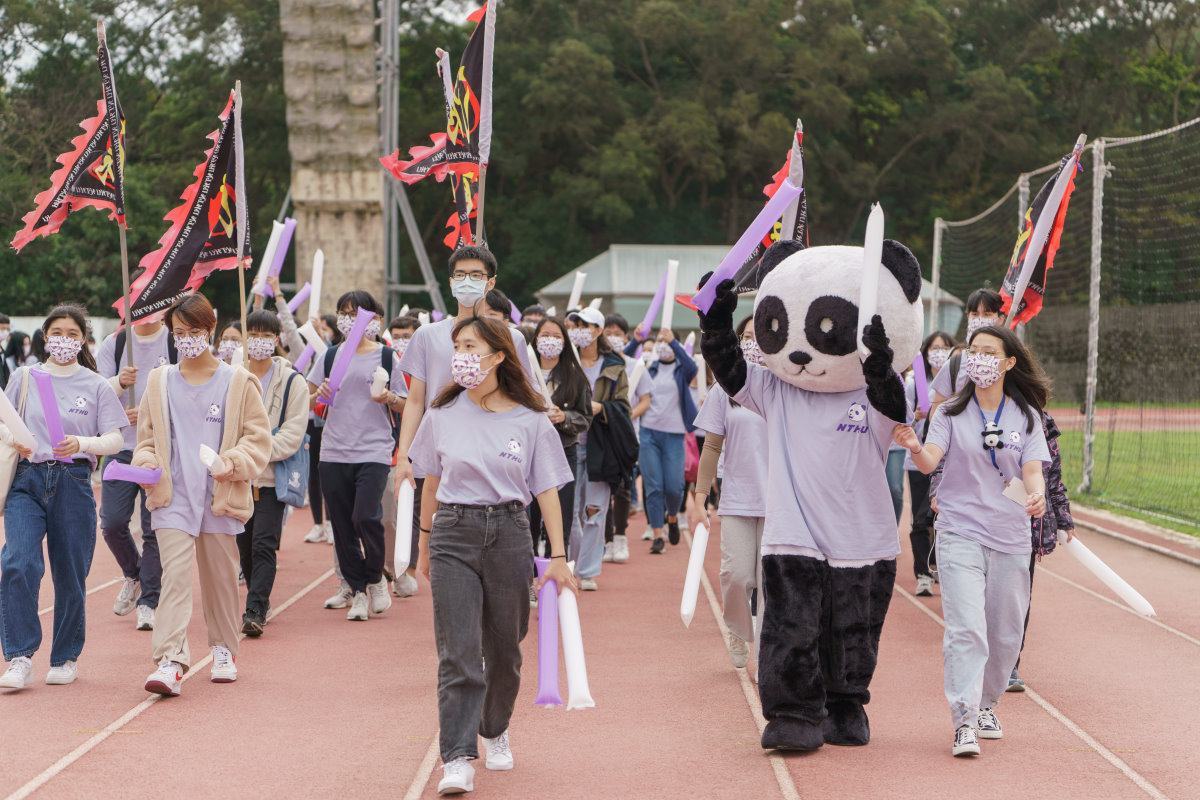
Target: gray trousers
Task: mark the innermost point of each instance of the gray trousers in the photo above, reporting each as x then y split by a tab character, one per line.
741	572
480	568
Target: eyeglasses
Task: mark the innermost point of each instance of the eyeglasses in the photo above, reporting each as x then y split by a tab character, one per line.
477	275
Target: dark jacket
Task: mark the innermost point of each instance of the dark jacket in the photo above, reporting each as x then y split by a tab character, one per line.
578	417
1058	505
612	444
685	372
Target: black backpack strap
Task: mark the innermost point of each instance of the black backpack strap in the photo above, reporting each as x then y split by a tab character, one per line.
287	391
119	349
329	356
172	354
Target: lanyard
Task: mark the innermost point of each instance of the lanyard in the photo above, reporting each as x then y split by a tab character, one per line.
996	422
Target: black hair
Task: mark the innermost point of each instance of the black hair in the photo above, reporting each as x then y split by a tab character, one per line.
404	322
330	321
4	320
536	308
358	298
1025	383
567	373
16	346
619	321
498	301
37	345
928	343
77	314
989	299
472	251
235	324
261	320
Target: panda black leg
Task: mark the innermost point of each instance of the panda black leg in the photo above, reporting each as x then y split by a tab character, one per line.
789	672
850	648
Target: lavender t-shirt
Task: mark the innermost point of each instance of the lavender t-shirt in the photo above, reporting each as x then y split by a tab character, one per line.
826	487
744	453
486	458
357	429
197	417
664	415
148	352
941	381
970	498
86	403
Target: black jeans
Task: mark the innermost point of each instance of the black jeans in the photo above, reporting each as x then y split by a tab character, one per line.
618	511
922	521
355	502
116	512
315	501
566	502
257	545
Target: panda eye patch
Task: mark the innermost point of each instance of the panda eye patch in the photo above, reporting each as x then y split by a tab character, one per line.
830	325
771	325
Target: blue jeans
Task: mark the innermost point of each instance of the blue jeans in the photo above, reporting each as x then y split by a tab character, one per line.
116	512
51	501
661	462
587	536
895	479
985	596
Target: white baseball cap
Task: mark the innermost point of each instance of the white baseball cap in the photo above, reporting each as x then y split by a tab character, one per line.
592	316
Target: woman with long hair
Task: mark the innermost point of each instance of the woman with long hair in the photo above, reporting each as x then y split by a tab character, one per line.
991	436
197	510
51	499
935	352
487	449
571	413
259	541
230	341
741	435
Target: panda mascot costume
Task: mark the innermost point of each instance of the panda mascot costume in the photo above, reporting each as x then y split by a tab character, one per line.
829	546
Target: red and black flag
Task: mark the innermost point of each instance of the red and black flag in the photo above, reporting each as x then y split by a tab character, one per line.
204	232
469	118
794	219
91	172
423	161
1038	242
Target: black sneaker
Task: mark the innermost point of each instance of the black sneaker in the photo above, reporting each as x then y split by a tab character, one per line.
252	624
657	546
673	531
966	741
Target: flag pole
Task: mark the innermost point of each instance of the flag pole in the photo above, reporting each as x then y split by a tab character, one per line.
240	188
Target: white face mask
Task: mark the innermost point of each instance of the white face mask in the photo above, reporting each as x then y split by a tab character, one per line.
468	291
345	324
225	349
3	335
752	352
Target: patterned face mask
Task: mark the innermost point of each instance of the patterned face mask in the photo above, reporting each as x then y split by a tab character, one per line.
400	345
982	369
975	323
467	370
225	349
617	343
938	357
664	352
373	328
63	349
549	346
580	337
259	348
752	352
191	346
345	324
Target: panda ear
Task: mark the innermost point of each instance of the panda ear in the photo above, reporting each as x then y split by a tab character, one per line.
775	254
900	261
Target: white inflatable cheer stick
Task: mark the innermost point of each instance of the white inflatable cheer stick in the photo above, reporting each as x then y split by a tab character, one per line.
215	464
691	583
868	297
1111	579
379	382
404	514
579	694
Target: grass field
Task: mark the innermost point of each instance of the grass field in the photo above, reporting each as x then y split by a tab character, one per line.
1156	471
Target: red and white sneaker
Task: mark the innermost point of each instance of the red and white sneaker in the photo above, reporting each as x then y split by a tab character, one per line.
165	680
224	670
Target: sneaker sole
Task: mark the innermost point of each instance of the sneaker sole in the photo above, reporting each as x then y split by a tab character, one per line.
985	734
252	629
223	679
11	685
357	618
1015	687
470	787
337	606
381	609
925	593
158	687
966	750
59	681
501	767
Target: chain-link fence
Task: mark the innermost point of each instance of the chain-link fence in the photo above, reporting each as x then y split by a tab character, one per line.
1118	330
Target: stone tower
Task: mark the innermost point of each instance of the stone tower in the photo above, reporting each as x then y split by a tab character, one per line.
329	79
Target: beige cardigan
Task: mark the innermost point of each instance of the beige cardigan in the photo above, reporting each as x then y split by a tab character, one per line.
246	443
290	436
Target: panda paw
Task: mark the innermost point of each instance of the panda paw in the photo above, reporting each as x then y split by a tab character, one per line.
720	313
875	339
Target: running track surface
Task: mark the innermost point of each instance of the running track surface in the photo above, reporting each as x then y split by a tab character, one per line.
328	708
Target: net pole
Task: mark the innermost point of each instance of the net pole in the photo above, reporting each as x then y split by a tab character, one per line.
1093	344
935	276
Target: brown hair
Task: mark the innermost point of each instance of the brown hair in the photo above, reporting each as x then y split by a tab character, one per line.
194	311
513	383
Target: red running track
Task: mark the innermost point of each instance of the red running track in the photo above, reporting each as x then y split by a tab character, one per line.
324	707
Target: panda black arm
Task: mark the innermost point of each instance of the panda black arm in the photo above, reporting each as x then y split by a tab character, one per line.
885	391
719	343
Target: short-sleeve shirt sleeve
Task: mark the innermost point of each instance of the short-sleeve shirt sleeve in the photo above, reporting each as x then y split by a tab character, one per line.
414	361
940	430
712	414
753	394
423	451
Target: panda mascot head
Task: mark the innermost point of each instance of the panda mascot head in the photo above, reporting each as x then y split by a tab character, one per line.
806	313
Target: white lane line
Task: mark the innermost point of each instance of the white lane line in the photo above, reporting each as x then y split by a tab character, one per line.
1151	546
424	770
783	777
91	591
1083	735
79	752
1121	606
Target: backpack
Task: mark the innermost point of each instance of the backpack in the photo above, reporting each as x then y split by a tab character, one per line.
291	474
386	356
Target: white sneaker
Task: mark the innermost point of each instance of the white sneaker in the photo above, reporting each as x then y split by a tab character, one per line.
128	596
341	599
924	586
988	725
457	777
588	585
166	679
358	607
328	531
19	673
620	550
405	586
608	553
739	651
381	601
648	535
966	742
145	616
224	670
499	755
316	535
62	675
